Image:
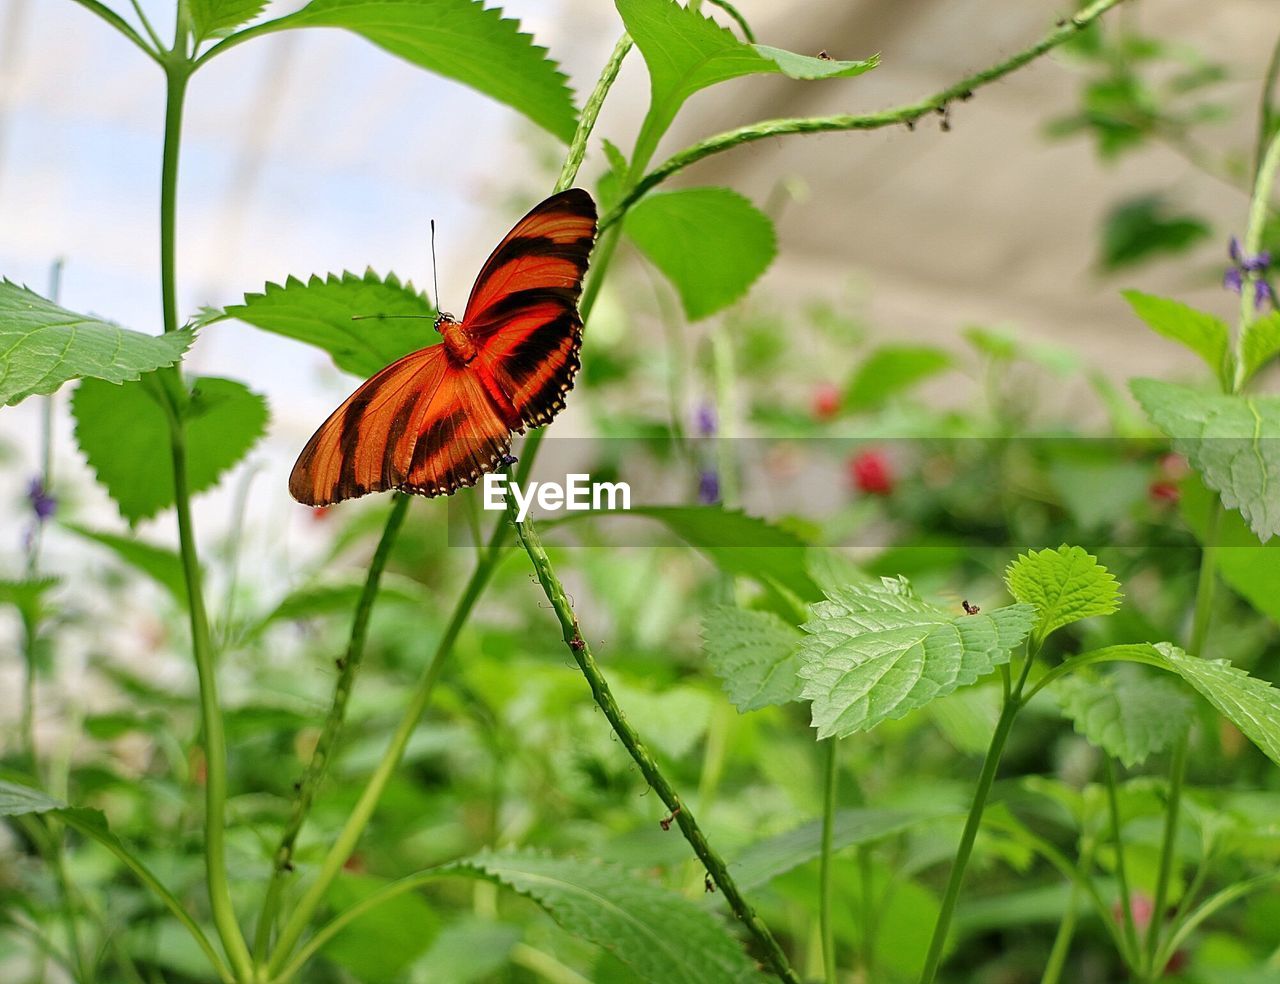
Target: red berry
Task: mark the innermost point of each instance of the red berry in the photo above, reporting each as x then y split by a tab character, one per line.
826	401
870	473
1162	491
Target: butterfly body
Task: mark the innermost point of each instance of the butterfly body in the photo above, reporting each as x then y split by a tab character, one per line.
437	419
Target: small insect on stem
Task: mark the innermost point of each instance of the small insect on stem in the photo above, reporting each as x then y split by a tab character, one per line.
340	663
577	644
824	56
970	609
665	822
708	883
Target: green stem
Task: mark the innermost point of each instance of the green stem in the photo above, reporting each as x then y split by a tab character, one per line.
1067	928
825	124
348	667
146	25
824	863
1133	956
590	113
1168	851
121	25
741	21
176	76
1267	116
640	754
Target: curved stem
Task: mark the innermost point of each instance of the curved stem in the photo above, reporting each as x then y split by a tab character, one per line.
635	746
348	667
825	124
590	112
824	869
121	25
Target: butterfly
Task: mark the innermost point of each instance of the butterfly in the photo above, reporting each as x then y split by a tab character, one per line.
437	419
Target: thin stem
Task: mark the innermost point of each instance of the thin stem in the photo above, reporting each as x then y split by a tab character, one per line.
146	25
825	124
348	667
590	112
824	863
176	76
1209	907
121	25
1133	956
640	754
726	412
1168	850
1067	928
1267	116
741	21
545	965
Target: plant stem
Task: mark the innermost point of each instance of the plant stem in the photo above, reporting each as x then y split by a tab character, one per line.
986	779
1134	956
121	25
640	754
824	863
590	113
348	667
825	124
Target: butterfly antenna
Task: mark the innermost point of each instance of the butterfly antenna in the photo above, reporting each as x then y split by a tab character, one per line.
435	283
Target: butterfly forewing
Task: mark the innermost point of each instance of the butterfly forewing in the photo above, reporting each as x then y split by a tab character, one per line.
430	423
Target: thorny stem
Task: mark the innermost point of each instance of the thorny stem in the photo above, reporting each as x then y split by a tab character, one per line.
590	112
314	775
635	746
907	114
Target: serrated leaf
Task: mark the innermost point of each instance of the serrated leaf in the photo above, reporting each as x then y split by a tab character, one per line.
213	17
686	52
1129	718
876	652
1232	441
754	655
1205	335
124	434
661	936
43	346
1063	586
460	40
1261	343
320	311
1252	705
161	564
890	370
17	800
765	860
27	596
711	243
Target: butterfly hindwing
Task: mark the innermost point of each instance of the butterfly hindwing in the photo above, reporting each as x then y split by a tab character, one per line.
462	437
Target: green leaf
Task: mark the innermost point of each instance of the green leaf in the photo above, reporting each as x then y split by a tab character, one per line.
711	243
765	860
754	655
1063	585
741	545
124	433
385	940
661	936
312	600
890	370
672	720
320	311
460	40
1261	343
471	949
161	564
1128	717
213	17
16	800
686	51
1232	441
1252	569
27	596
43	346
877	651
1206	336
1142	229
1252	705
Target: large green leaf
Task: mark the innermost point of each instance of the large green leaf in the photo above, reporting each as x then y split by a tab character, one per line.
1064	586
711	243
686	52
1261	343
159	563
461	40
878	651
890	370
1205	335
765	860
43	346
124	433
1252	705
1232	441
754	655
16	800
320	311
212	17
1128	717
660	936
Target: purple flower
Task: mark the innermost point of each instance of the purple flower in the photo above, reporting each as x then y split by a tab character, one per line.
43	504
709	487
1245	267
705	419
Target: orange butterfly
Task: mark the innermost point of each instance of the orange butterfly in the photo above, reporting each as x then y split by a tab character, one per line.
436	420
